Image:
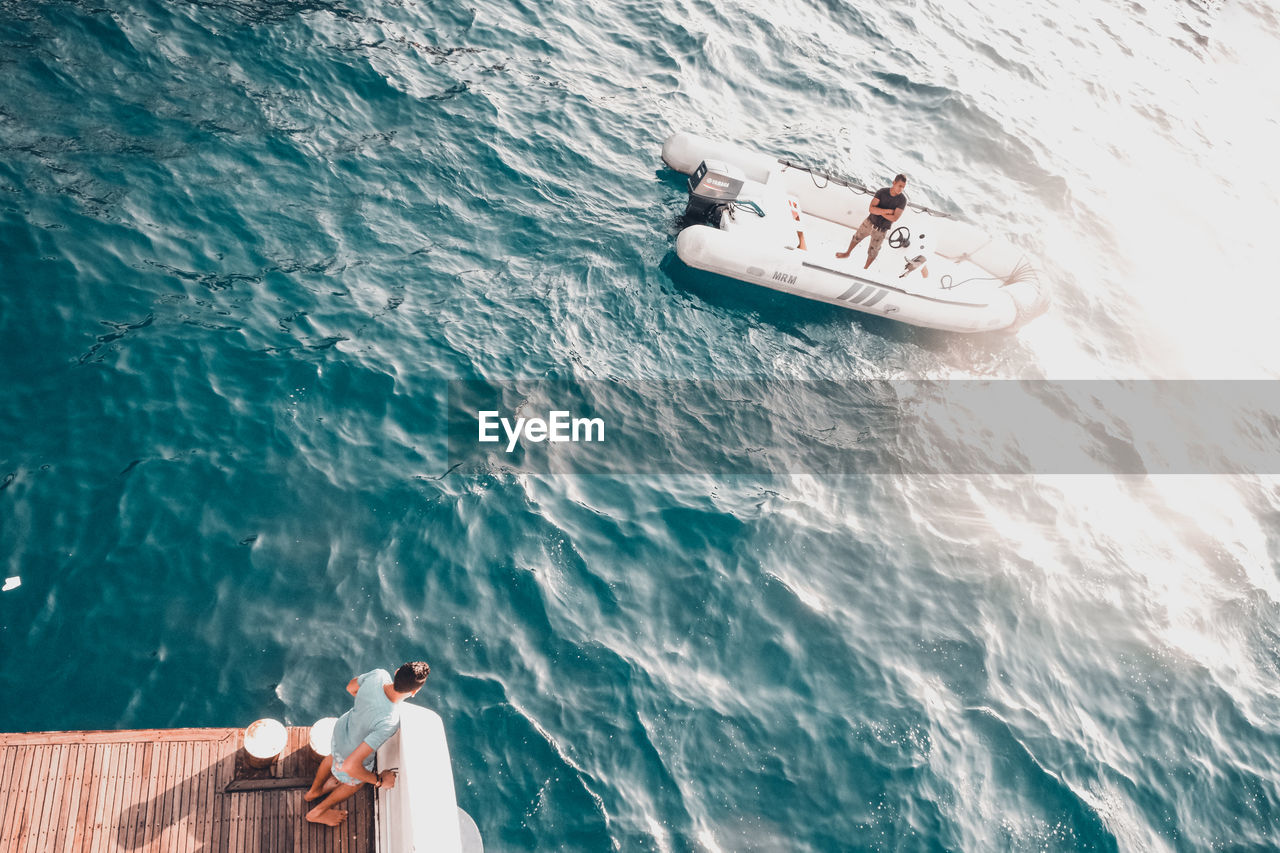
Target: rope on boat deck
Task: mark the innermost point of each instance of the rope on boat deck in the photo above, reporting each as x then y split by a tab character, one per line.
1022	272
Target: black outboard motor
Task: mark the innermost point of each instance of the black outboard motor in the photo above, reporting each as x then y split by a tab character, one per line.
713	186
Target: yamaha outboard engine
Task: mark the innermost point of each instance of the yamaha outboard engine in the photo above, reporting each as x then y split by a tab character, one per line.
713	186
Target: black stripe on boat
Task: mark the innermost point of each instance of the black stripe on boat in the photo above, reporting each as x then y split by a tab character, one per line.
850	291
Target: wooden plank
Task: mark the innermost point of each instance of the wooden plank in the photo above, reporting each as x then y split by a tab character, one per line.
42	793
271	803
200	803
128	803
107	824
261	818
84	765
367	830
15	796
90	781
76	793
166	789
29	818
351	826
153	829
184	801
148	797
8	762
244	819
226	822
9	787
52	791
111	756
340	832
310	831
217	808
7	755
288	820
30	805
238	806
56	784
253	823
182	837
166	816
206	800
281	832
108	754
145	830
15	822
290	761
148	794
175	831
262	822
116	813
122	736
168	819
68	796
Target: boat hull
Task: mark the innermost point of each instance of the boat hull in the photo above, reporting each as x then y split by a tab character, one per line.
712	250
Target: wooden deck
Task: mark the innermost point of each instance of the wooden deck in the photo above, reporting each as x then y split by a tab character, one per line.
167	790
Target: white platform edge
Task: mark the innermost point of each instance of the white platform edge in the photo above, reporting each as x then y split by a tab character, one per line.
421	812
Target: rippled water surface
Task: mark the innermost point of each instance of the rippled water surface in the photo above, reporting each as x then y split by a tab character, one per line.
244	244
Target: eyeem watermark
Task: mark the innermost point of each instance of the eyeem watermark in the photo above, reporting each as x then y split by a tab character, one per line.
558	426
824	427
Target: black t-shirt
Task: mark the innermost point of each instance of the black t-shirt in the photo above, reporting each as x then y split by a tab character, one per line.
888	201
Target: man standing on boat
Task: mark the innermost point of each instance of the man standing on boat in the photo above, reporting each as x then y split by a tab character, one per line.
885	209
373	718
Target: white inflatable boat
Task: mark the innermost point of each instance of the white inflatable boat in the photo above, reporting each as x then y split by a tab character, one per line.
932	270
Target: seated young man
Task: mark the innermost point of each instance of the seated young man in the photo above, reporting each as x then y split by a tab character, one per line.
374	717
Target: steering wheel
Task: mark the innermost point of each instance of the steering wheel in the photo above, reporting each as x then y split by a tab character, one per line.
900	237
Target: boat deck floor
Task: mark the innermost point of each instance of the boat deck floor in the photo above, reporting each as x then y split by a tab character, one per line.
170	790
823	238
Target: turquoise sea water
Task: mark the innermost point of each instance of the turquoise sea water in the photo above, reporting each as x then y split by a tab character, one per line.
245	244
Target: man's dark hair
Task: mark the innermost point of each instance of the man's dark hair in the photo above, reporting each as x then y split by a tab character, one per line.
411	676
899	177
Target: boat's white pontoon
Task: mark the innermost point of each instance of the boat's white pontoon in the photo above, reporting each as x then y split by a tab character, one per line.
933	270
421	812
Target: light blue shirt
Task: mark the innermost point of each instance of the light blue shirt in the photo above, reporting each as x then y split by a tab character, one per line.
372	719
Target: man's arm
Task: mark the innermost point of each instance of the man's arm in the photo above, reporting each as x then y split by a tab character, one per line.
889	213
354	765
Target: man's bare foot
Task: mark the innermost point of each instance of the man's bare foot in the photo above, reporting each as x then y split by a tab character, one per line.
328	817
312	795
867	266
842	254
